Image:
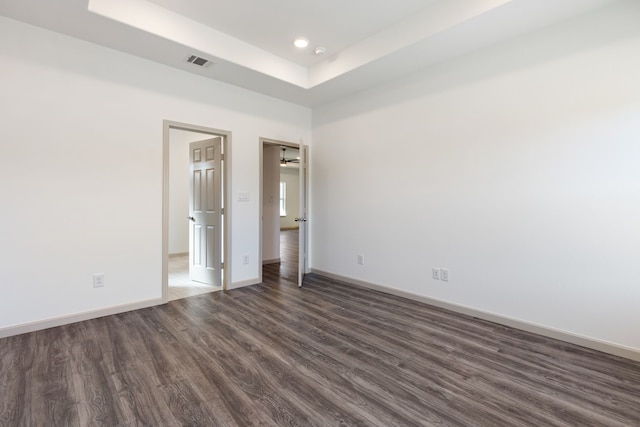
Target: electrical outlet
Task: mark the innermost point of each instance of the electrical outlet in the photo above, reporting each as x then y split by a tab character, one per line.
444	274
360	259
98	280
245	259
436	273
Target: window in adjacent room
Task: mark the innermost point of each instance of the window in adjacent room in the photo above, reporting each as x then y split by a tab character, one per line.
283	199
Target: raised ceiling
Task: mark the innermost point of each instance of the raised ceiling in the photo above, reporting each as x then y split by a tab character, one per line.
249	42
272	25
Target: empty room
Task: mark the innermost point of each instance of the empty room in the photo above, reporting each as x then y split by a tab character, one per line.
233	213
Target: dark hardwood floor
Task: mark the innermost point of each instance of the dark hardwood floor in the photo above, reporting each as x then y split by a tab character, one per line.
285	271
327	354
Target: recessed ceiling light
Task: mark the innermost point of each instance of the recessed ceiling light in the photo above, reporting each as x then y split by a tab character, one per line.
301	42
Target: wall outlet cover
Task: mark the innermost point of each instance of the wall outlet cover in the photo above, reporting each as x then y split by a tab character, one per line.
436	273
98	280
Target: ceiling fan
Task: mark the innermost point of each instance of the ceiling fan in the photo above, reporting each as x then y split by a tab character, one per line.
284	160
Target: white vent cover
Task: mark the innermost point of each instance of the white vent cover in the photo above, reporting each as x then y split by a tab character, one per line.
199	61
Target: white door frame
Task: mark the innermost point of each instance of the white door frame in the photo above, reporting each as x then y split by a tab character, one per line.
263	142
303	233
226	190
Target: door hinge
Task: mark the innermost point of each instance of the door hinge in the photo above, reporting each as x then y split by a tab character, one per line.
222	265
221	211
222	157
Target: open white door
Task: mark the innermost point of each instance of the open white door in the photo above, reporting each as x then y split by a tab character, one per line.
205	214
302	219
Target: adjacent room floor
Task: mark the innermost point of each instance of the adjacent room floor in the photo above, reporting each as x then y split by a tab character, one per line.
180	286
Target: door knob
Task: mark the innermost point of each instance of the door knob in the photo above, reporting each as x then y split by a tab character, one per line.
301	219
191	218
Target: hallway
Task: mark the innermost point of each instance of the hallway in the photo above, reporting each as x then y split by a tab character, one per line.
286	271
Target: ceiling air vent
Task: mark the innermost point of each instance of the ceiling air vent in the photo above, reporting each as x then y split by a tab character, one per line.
197	60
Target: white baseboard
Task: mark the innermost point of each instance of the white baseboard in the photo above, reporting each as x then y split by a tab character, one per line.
242	284
592	343
178	254
77	317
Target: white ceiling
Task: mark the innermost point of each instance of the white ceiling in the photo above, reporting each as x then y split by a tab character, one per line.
272	25
250	41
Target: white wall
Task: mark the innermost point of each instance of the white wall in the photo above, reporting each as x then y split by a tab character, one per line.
517	168
291	177
270	204
81	170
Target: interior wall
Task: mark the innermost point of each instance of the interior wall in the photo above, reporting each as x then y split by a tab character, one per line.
515	168
271	204
82	189
291	177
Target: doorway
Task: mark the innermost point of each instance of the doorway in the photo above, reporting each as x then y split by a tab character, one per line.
283	211
177	251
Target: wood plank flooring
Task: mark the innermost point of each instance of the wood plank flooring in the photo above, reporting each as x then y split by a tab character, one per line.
328	354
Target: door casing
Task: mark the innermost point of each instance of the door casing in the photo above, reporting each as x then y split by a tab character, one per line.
263	142
226	190
303	233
